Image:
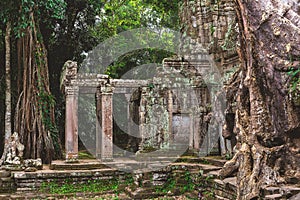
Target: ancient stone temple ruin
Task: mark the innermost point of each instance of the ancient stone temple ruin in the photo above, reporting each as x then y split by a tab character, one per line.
174	108
171	110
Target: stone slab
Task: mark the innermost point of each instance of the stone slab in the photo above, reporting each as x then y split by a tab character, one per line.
4	173
81	165
273	197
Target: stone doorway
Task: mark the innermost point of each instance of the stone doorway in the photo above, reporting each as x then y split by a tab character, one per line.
181	127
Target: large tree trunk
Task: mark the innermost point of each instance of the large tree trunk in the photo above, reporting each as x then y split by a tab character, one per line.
34	119
7	92
267	119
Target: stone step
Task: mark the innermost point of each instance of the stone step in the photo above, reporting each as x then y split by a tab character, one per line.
7	185
61	175
25	189
295	197
193	195
217	161
220	198
286	190
85	195
290	190
81	165
4	173
142	193
225	193
198	166
227	186
6	179
271	190
214	174
273	197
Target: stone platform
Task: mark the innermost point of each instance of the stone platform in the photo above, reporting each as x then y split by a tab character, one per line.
145	183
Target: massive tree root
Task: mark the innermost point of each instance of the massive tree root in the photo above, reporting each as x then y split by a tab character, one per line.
267	120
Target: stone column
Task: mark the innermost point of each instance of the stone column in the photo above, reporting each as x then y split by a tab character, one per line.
129	119
170	111
196	131
142	118
71	127
98	123
222	141
68	86
106	123
191	135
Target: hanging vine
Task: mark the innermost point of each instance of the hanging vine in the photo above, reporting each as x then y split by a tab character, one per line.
34	118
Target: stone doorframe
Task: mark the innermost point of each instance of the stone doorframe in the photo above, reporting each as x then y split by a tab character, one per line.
103	87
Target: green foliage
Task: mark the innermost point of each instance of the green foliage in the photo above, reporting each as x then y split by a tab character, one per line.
212	29
294	75
170	185
129	180
295	79
151	85
294	86
137	58
85	155
192	182
189	186
70	187
165	12
19	13
53	8
119	16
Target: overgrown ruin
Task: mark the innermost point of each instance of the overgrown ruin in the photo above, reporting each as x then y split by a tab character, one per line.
171	111
169	122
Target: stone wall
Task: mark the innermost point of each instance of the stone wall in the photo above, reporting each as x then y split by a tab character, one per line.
212	23
173	106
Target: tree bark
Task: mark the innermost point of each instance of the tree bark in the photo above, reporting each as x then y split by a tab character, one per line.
34	118
7	92
267	120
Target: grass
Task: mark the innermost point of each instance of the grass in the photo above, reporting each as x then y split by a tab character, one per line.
90	186
85	155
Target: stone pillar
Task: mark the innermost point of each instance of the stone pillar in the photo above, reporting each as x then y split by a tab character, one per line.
98	123
197	131
142	118
222	141
70	89
106	123
191	135
170	111
129	119
71	127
